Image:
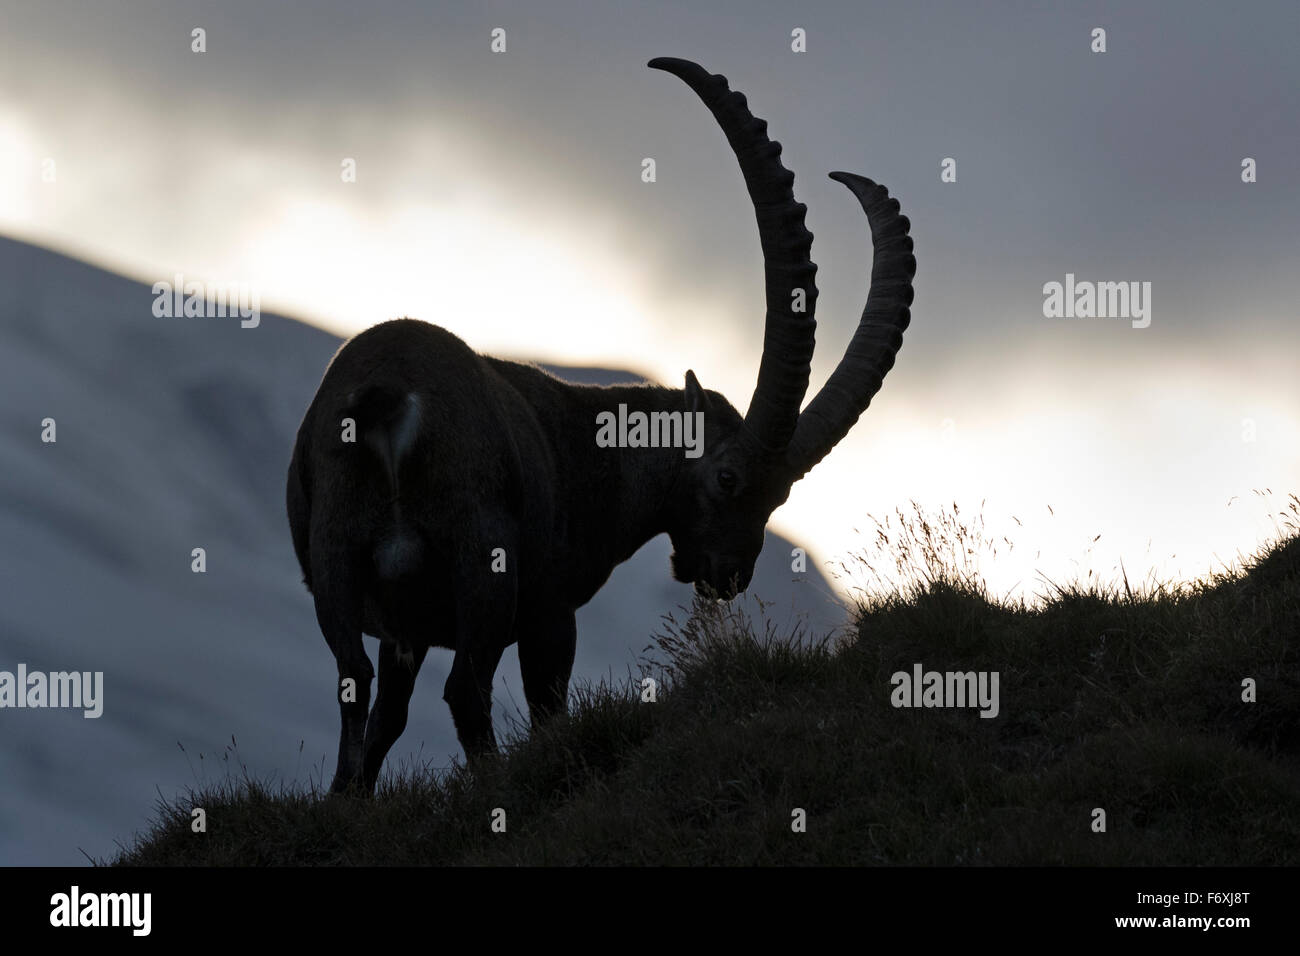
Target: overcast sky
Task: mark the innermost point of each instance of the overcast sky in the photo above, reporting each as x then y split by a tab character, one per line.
500	195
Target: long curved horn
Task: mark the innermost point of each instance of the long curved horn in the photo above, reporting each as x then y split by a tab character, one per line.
787	263
870	354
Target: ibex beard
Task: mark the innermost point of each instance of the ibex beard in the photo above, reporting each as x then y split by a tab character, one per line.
441	498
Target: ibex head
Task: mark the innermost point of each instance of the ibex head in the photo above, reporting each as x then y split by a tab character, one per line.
749	464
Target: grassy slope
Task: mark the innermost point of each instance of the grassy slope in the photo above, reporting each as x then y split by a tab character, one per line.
1131	703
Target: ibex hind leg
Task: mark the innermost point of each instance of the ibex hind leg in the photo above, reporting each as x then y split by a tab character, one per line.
397	673
485	600
338	612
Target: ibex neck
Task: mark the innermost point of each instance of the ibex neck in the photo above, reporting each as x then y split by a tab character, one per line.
641	436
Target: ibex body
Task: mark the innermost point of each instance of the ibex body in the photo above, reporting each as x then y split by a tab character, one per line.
475	508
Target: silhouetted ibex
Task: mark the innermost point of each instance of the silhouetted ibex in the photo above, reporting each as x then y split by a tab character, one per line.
475	508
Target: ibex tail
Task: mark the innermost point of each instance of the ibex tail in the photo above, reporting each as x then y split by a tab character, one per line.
388	421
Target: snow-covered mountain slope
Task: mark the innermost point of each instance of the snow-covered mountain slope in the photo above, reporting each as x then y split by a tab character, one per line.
175	434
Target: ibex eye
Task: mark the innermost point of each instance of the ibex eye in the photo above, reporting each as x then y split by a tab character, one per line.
726	480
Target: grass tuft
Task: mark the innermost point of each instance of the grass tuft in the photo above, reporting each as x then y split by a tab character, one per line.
1118	697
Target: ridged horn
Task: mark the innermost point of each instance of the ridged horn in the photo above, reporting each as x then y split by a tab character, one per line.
788	336
879	335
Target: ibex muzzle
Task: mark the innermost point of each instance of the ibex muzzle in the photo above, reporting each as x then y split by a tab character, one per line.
438	497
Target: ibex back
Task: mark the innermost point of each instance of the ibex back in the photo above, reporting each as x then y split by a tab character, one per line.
438	497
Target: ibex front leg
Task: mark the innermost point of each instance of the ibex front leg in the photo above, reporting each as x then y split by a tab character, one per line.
547	641
469	694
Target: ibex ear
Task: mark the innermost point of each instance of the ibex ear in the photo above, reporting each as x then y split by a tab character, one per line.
696	400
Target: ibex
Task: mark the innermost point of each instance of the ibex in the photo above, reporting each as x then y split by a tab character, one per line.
438	497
